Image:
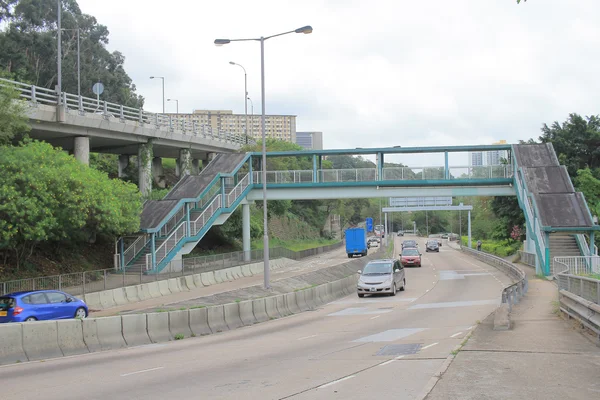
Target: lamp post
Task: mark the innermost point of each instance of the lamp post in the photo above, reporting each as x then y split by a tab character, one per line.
245	97
163	89
220	42
252	115
176	103
59	56
78	60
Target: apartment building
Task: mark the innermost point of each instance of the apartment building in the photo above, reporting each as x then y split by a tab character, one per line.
488	157
310	140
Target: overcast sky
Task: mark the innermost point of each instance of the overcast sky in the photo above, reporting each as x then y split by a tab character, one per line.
372	73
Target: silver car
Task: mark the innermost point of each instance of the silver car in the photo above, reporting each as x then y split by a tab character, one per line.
381	276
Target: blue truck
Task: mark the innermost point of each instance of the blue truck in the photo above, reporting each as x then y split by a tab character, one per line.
356	242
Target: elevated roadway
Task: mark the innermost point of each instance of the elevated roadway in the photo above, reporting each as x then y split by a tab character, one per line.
352	348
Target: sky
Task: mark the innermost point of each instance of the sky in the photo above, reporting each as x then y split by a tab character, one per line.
372	73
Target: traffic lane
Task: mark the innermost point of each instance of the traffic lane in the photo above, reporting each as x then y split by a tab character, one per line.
253	361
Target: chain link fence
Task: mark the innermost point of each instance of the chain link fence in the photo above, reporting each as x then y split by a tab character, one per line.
80	283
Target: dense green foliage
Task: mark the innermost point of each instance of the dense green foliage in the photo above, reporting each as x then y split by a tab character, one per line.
501	248
13	123
28	50
47	195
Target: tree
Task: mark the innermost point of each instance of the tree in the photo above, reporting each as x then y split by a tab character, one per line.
13	121
47	195
590	187
508	214
28	50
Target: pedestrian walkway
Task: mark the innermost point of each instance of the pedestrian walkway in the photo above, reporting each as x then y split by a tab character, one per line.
542	357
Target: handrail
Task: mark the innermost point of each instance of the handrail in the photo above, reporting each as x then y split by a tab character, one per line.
206	215
238	190
164	249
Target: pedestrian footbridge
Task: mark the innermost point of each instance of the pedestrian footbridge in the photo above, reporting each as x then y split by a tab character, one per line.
172	227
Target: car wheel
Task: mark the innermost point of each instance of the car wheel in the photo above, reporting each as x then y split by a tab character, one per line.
80	313
31	319
403	285
394	290
361	295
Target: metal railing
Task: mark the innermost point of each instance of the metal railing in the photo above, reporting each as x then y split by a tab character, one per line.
170	242
527	258
86	105
134	248
511	294
80	283
172	222
577	265
199	223
586	312
237	191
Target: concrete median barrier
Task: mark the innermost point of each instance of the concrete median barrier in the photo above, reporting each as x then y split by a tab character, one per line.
329	292
183	284
218	276
246	312
229	274
281	306
291	303
259	310
120	296
310	295
321	294
158	327
237	272
198	281
90	334
337	289
40	340
232	315
257	269
163	287
216	319
110	333
208	278
153	289
199	321
11	344
179	323
70	337
143	292
271	307
189	282
135	331
132	294
301	301
106	299
93	301
246	271
174	285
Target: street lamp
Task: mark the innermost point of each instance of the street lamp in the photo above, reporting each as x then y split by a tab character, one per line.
176	103
163	89
252	122
220	42
59	50
245	97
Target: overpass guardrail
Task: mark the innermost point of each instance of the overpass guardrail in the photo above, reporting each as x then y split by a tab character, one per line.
80	283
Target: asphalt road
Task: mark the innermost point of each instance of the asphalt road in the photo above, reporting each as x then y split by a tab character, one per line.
330	353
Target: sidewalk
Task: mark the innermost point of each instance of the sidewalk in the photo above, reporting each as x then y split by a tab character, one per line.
541	357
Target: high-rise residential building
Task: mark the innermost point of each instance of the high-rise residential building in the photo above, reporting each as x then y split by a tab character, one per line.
310	140
489	157
281	127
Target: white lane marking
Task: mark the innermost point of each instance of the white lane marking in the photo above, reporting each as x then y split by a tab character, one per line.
456	334
356	311
431	345
451	304
376	317
306	337
386	363
334	382
390	335
142	371
399	357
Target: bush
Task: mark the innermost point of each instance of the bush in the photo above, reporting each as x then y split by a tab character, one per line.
500	248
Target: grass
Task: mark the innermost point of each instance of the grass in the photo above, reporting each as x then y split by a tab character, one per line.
194	307
161	310
500	248
555	307
462	344
179	336
295	245
593	276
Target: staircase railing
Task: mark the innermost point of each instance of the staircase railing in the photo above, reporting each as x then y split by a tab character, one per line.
172	223
171	241
200	222
134	249
237	190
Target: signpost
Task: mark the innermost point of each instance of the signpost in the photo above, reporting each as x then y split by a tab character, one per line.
369	224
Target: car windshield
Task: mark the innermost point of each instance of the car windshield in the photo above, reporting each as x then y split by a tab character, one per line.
410	252
409	243
377	268
6	303
432	243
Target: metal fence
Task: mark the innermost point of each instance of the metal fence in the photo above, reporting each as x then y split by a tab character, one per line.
511	294
571	280
527	258
576	265
80	283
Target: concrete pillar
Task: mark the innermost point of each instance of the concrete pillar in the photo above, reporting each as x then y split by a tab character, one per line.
195	166
385	228
158	172
246	231
145	167
469	228
123	164
81	149
184	163
529	241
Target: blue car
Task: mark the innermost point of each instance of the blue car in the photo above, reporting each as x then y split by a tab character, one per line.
40	305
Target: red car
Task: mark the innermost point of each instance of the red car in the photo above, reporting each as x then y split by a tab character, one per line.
410	257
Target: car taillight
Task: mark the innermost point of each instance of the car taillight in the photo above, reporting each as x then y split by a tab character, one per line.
17	310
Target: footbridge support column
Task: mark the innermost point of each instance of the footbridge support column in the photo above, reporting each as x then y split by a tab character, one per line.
246	231
195	166
81	149
184	163
145	168
469	228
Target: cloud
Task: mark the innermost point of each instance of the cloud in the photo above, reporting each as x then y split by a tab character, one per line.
378	73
